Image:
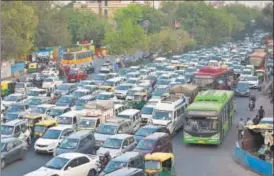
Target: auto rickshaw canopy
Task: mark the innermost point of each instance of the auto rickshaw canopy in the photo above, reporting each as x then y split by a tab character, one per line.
159	156
47	123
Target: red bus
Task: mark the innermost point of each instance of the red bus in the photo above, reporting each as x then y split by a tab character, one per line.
214	78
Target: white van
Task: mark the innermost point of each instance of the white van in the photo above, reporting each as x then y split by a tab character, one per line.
70	119
170	112
132	115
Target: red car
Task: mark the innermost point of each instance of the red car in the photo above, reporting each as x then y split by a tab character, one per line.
76	75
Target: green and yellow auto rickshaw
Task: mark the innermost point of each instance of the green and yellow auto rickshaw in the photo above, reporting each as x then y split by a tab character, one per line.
7	87
261	75
32	67
139	100
160	164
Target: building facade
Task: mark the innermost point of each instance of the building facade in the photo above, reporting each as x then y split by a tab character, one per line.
105	8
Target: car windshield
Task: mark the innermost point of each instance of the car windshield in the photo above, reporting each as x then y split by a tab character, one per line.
113	143
83	83
48	80
34	101
180	80
69	143
63	87
123	87
78	94
20	85
64	120
202	124
132	81
100	77
246	72
39	128
242	86
162	115
81	102
33	93
146	144
123	72
16	108
147	110
252	78
11	116
145	131
87	123
106	129
65	99
55	112
153	165
159	92
57	163
40	110
6	130
113	166
51	134
10	98
103	97
163	82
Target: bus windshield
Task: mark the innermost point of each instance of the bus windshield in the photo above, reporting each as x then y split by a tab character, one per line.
203	81
68	56
202	124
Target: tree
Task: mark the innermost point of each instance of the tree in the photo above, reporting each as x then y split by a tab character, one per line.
18	26
169	40
267	13
85	25
127	39
53	25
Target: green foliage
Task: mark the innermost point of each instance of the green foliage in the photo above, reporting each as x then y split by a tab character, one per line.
126	39
268	17
85	25
169	40
18	25
52	28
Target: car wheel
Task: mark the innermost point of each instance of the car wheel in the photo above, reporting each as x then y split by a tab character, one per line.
92	173
3	164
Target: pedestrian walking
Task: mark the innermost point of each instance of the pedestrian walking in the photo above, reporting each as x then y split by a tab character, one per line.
261	112
249	122
256	120
240	128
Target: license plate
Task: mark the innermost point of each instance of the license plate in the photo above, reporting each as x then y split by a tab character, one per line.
201	142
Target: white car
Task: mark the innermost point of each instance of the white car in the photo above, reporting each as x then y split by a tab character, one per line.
50	72
117	145
51	139
13	98
69	164
51	82
253	81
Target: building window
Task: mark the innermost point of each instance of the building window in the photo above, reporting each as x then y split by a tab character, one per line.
106	3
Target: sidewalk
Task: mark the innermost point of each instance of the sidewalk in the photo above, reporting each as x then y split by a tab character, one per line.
264	101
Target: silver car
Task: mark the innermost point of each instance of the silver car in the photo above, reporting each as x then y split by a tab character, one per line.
12	149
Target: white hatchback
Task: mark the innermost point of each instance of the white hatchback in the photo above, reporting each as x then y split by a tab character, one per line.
69	164
51	139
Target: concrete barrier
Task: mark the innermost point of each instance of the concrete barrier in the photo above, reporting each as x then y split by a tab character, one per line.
251	162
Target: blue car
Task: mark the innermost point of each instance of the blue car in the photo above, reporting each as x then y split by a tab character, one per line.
242	89
66	100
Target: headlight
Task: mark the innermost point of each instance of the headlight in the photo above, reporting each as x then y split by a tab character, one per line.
216	136
186	135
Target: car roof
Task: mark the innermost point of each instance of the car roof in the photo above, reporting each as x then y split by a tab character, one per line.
8	139
120	136
70	155
129	112
60	127
14	122
60	107
105	93
46	105
155	135
126	156
16	94
79	134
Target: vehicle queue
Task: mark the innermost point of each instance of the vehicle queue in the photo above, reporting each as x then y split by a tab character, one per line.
122	123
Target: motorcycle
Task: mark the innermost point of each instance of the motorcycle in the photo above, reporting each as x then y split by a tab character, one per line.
103	161
251	105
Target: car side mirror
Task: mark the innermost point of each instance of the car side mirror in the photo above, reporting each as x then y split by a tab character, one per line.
119	132
124	146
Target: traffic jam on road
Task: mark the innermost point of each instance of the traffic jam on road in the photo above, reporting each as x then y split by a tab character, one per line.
95	121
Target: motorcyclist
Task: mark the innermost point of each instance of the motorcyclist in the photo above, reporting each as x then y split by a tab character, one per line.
252	101
26	136
104	160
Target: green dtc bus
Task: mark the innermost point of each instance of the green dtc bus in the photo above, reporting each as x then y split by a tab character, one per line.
209	117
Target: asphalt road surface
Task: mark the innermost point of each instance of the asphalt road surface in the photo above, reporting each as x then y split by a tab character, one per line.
190	160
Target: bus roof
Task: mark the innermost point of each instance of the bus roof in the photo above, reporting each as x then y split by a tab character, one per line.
205	106
258	54
207	70
214	96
